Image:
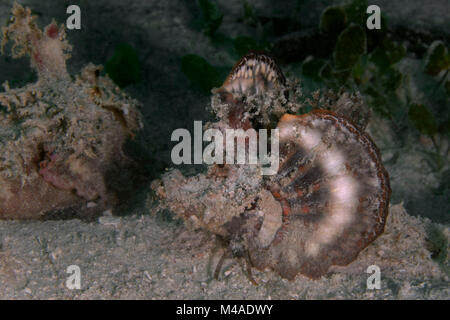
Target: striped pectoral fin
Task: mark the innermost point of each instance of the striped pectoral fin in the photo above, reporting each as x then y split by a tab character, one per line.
337	204
254	73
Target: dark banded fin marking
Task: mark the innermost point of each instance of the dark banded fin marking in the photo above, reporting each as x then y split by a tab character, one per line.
254	73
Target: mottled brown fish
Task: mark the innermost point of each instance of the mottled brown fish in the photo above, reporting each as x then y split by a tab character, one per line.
327	202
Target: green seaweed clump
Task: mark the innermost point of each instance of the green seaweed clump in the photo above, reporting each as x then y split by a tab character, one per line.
437	244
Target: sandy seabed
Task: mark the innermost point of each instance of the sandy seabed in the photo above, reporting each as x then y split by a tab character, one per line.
144	256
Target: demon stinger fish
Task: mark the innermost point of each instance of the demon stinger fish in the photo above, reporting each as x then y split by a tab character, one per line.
328	201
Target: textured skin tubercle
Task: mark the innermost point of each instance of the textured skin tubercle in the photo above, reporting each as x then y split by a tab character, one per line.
48	50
